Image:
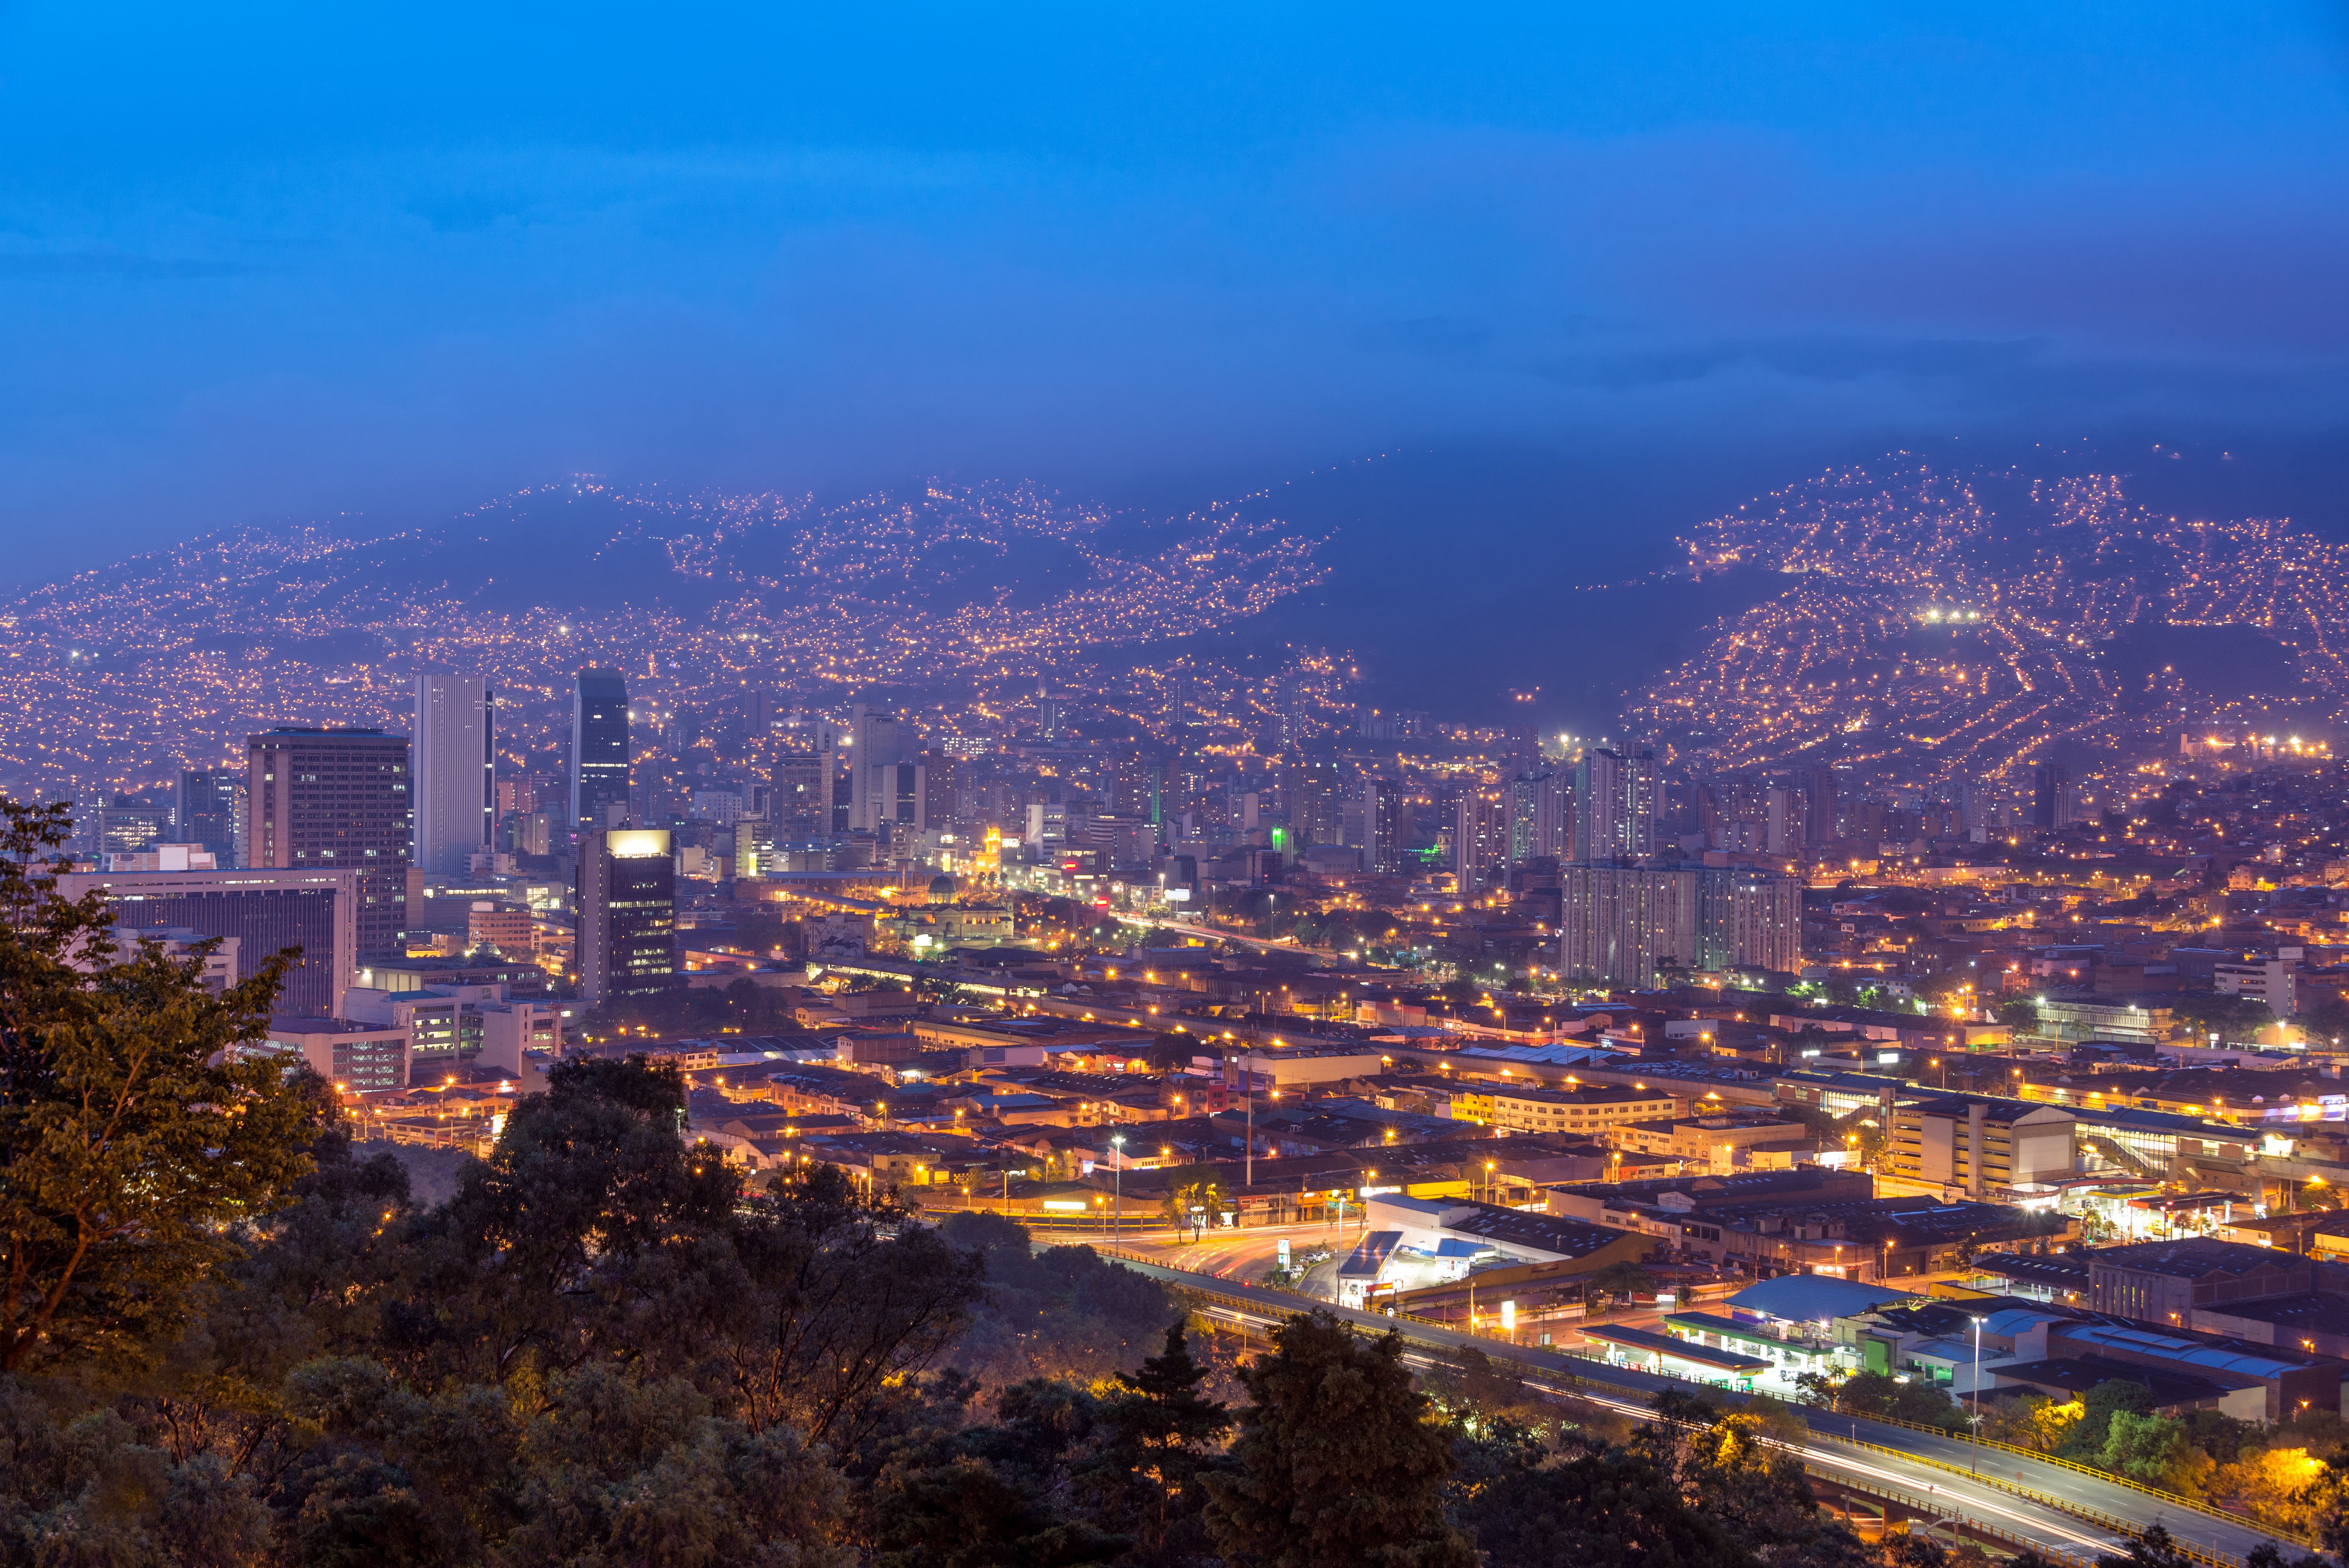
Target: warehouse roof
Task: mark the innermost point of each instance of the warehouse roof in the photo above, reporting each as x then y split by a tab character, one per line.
1815	1298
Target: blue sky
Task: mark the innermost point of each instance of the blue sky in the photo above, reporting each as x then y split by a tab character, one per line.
291	262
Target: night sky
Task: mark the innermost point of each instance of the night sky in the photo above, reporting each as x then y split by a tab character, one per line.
1586	271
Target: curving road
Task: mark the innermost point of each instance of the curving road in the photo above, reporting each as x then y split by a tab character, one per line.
1947	1472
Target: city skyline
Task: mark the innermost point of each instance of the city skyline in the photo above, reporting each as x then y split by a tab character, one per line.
1175	788
1946	624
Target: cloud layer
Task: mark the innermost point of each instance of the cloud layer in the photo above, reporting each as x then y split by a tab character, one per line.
293	265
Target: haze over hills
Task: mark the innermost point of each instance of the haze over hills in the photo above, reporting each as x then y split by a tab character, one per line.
167	659
1955	623
1924	620
1676	629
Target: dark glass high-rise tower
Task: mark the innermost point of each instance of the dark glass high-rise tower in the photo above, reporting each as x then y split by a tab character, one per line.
599	750
628	915
212	813
336	799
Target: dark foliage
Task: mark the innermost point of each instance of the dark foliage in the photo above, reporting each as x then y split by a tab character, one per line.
1337	1462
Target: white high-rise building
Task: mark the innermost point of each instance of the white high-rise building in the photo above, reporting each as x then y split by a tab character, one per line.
1541	817
1624	926
873	743
1480	840
455	763
1615	801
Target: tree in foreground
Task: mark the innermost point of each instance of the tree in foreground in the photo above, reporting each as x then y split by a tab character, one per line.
1734	1469
1338	1462
132	1149
1158	1433
999	1495
1593	1503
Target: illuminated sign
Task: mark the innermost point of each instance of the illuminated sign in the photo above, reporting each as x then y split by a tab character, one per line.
636	843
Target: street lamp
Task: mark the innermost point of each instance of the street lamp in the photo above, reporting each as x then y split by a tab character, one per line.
1977	1394
1117	1187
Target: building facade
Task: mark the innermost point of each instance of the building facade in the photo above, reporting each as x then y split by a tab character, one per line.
1480	836
504	926
456	772
2166	1281
802	801
1311	786
1590	1112
356	1058
336	799
1387	818
1982	1146
1541	818
599	751
1616	797
1624	926
627	915
211	811
873	744
260	913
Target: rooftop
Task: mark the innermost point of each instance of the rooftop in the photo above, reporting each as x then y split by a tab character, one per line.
2078	1374
1536	1233
2053	1271
1814	1298
1656	1344
2193	1258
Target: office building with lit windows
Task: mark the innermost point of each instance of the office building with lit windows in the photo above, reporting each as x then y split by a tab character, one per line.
627	915
335	800
258	913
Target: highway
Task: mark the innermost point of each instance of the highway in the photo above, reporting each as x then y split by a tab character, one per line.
1944	1472
1282	945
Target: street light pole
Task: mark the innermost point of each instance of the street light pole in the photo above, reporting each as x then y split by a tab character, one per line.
1977	1394
1117	1188
1248	1090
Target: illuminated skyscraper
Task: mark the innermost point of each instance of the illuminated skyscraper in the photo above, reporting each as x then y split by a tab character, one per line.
1480	840
211	812
1541	818
802	805
628	915
1624	926
898	797
1783	819
1134	790
599	751
1311	785
1386	810
336	799
873	744
456	784
1615	798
